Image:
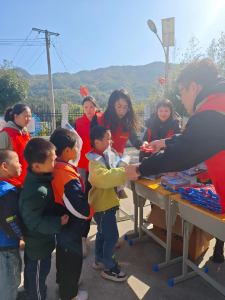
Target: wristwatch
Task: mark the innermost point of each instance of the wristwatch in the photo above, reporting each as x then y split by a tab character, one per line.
137	171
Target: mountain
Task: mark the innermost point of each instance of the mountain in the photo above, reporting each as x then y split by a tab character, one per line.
138	80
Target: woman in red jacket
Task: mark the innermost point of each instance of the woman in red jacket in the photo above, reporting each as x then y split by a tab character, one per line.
164	123
14	136
121	119
82	126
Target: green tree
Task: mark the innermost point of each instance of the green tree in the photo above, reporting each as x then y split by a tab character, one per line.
13	88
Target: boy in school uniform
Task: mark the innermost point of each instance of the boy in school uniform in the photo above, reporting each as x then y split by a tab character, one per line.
69	198
105	201
10	260
37	208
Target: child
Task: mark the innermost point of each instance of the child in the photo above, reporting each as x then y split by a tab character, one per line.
10	260
70	200
37	207
105	201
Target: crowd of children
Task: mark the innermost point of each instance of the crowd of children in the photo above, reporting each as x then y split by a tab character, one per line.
53	210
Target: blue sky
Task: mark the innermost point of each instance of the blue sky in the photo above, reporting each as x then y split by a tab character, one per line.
102	33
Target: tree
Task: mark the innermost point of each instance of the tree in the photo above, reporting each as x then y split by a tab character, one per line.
13	88
216	52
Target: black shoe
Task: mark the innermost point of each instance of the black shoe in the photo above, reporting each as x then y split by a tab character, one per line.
114	274
218	254
23	295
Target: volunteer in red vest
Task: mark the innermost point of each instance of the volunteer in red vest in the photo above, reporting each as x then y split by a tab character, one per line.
14	136
121	119
82	126
162	124
202	92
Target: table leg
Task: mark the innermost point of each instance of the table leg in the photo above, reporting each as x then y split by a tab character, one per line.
169	223
134	217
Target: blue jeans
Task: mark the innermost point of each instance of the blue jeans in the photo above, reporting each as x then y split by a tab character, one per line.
106	238
36	272
10	274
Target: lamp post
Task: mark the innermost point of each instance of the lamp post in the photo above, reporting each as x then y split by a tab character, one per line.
168	40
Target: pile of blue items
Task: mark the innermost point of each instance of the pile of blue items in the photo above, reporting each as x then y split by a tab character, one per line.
203	195
173	182
201	168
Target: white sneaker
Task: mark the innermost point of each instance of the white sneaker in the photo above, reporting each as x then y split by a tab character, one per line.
82	295
98	266
84	246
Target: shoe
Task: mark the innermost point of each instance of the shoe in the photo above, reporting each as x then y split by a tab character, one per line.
84	246
98	266
22	245
218	254
23	295
82	295
114	274
79	283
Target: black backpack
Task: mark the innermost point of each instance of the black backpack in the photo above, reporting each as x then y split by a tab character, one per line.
10	221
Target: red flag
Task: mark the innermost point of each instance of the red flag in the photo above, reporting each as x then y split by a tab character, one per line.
161	80
84	92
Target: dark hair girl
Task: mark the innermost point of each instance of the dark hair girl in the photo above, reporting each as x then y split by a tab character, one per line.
162	124
121	119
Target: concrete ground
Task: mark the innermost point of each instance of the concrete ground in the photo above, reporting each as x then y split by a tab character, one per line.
138	261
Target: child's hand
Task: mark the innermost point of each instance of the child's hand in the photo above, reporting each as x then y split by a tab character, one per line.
64	219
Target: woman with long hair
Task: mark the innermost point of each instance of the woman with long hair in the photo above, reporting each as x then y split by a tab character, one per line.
164	123
121	119
14	136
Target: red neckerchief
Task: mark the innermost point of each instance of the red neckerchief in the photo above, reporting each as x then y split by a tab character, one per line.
99	152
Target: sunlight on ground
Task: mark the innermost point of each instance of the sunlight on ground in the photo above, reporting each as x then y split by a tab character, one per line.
139	288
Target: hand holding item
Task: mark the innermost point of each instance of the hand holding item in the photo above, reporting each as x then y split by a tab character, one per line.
64	219
157	145
142	148
132	172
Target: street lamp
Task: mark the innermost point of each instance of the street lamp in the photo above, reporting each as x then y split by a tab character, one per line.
168	40
153	28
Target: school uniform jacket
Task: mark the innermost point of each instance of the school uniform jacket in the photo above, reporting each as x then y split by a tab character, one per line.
69	199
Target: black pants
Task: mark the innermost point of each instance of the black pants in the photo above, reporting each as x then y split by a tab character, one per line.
69	265
88	222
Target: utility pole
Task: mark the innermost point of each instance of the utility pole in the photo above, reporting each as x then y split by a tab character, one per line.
52	103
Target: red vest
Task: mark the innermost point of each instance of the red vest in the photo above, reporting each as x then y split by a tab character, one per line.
169	134
119	137
83	129
19	142
216	164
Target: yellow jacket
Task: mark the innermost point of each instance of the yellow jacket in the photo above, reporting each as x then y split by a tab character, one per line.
103	180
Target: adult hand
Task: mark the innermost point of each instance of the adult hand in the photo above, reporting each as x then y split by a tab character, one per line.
131	173
64	219
157	145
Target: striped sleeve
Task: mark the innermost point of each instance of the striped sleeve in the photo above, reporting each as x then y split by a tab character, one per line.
73	199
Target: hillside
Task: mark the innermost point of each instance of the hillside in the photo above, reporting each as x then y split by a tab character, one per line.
138	80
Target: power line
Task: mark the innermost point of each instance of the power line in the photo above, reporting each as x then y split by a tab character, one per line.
72	59
60	57
32	57
21	46
36	60
26	50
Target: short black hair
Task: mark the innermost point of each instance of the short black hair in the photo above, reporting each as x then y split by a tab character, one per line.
63	138
5	156
37	150
203	72
97	133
